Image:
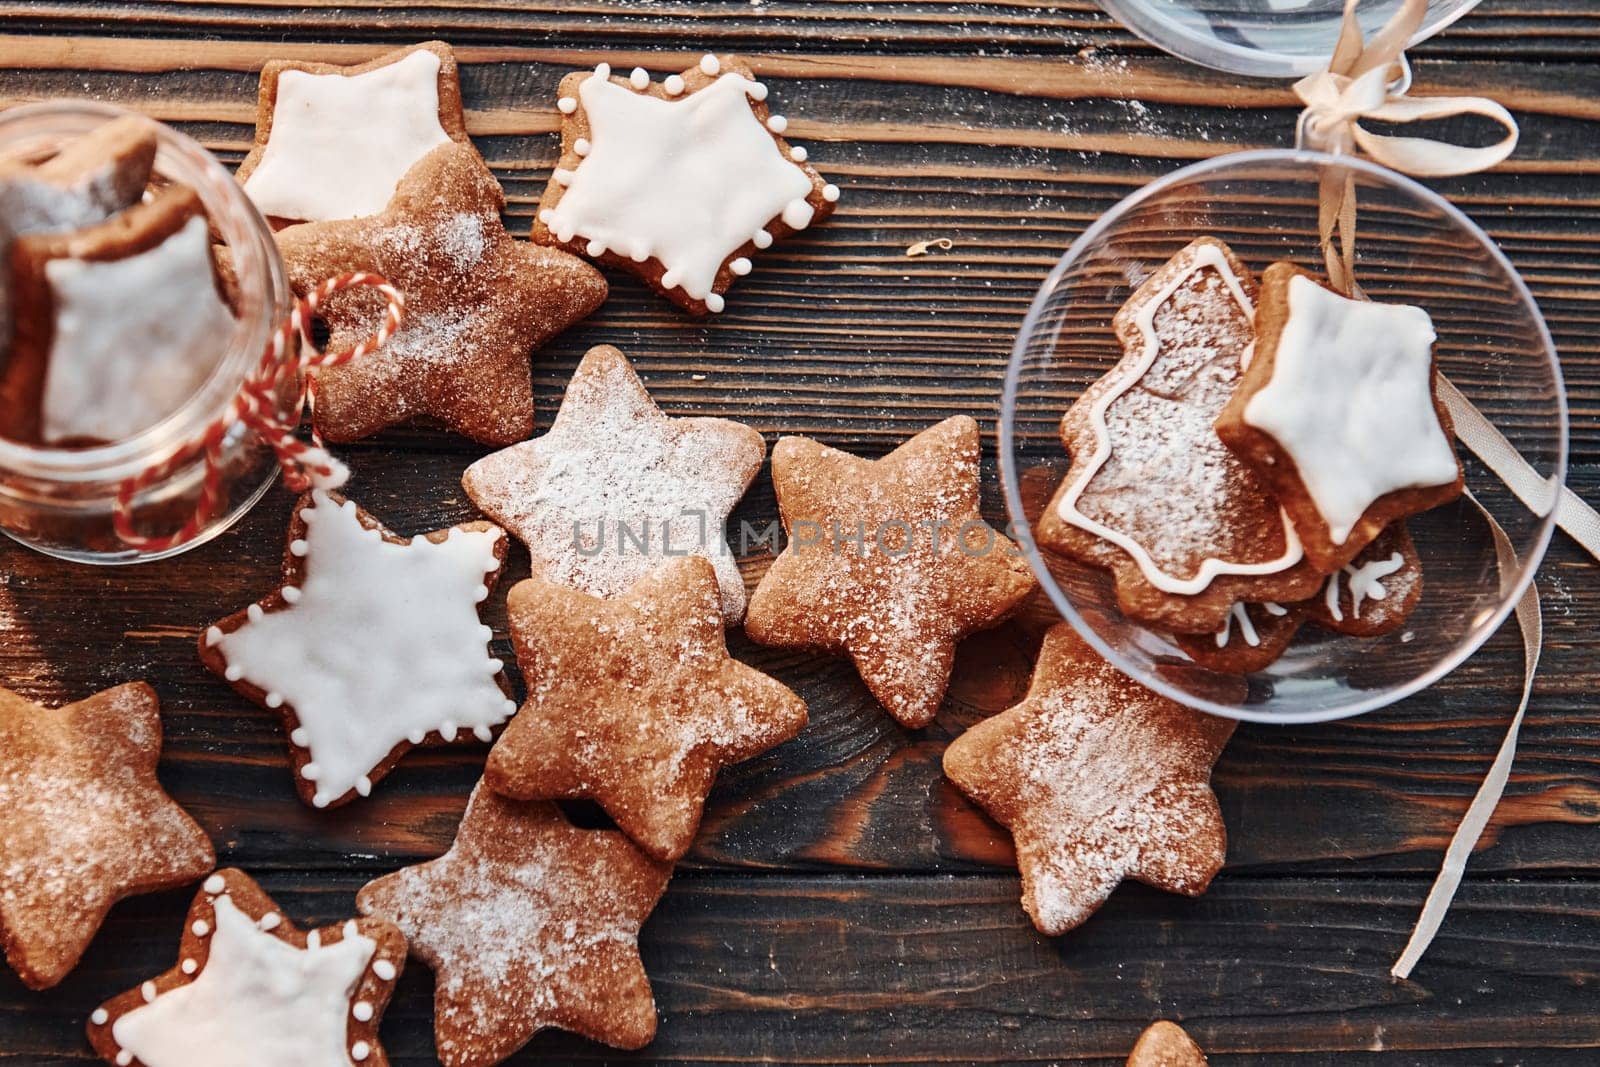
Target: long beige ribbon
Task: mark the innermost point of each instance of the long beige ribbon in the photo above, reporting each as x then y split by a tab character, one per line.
1368	79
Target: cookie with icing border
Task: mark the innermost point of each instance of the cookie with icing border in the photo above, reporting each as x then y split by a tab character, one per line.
635	703
1165	1044
1098	779
371	645
1340	414
528	922
679	182
616	488
251	987
83	823
1153	496
348	134
147	273
889	562
477	301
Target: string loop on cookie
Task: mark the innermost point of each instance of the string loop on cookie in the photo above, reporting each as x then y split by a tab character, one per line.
290	360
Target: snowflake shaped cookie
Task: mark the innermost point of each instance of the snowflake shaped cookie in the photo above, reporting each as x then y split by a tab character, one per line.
1098	780
252	990
616	487
679	181
372	645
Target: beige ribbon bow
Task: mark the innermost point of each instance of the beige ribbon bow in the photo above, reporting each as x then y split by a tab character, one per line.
1368	80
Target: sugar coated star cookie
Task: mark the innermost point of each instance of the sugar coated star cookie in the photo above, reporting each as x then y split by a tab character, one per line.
616	487
888	561
679	181
372	645
1165	1044
528	922
635	703
83	823
252	990
1153	495
116	324
1340	414
333	142
1098	779
477	301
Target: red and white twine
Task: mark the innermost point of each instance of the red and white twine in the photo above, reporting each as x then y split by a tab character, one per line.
290	357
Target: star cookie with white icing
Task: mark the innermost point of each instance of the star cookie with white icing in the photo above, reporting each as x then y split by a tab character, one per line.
116	324
333	142
1186	528
1340	414
679	181
83	823
371	645
888	561
616	487
528	922
634	702
253	990
477	302
1098	779
92	178
1165	1044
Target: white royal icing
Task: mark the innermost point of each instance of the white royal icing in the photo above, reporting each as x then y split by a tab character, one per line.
340	143
134	338
1204	256
1366	583
1351	402
1247	630
685	182
383	646
258	1002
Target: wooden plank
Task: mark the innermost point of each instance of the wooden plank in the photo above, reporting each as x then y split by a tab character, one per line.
926	970
1379	793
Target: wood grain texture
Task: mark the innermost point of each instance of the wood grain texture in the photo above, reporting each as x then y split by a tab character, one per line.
843	903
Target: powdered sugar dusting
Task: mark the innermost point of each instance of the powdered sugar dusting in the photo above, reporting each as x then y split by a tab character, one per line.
616	487
1170	483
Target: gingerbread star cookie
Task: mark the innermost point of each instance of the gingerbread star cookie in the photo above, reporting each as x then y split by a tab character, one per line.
116	324
477	302
333	142
616	487
1340	414
635	703
888	561
1098	779
92	178
372	645
679	181
1166	1044
1153	495
527	922
252	990
83	823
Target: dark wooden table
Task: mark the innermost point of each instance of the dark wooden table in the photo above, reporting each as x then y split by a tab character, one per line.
842	903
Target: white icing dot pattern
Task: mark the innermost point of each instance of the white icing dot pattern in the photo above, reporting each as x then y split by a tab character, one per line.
384	644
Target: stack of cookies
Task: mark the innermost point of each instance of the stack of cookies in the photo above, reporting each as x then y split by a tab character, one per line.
1249	464
111	309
